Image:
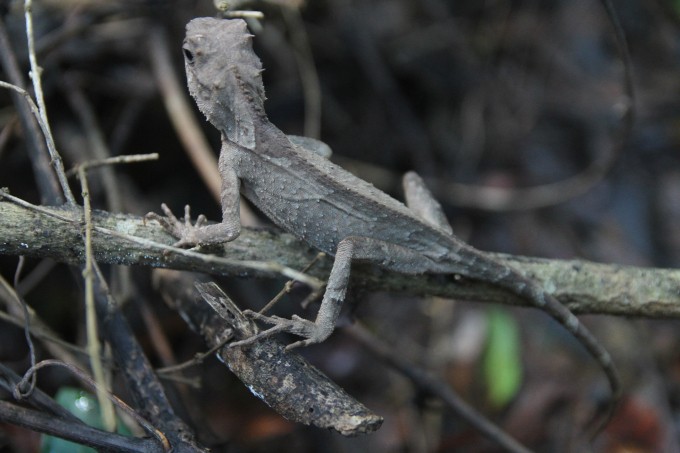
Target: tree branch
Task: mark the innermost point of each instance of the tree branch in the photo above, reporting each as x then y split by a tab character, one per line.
585	287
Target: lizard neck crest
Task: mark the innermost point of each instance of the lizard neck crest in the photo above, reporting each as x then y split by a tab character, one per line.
224	76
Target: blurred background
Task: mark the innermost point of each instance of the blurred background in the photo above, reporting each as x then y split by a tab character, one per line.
491	102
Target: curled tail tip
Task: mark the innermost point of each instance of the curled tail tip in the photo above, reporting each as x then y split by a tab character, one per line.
612	405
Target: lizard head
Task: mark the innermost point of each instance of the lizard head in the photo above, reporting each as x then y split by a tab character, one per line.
224	76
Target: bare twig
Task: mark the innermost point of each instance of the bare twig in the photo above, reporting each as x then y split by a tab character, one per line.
42	110
90	383
27	317
289	285
196	360
126	159
142	382
93	345
434	386
75	430
56	346
36	147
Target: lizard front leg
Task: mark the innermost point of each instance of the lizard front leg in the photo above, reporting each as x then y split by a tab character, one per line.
199	234
382	253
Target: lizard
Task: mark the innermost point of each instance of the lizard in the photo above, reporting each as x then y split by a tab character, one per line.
292	181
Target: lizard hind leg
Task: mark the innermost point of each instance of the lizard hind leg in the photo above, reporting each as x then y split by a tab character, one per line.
385	254
419	199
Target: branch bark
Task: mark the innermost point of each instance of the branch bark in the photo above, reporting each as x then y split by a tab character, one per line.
583	286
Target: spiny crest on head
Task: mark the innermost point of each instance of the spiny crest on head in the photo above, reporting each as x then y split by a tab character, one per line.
230	40
246	65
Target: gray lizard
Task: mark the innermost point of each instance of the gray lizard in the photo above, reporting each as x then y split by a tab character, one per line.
293	183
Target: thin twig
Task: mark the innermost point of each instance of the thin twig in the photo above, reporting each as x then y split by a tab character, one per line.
45	128
289	285
196	360
243	14
435	386
93	346
36	147
125	159
89	382
27	318
42	110
36	326
75	431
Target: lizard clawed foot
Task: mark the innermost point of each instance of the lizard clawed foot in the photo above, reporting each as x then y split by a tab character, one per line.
182	229
311	332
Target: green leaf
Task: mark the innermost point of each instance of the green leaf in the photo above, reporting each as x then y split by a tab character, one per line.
502	359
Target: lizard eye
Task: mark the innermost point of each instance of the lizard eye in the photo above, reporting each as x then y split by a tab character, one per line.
188	55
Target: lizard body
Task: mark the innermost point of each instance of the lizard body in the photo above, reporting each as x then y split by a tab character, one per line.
302	192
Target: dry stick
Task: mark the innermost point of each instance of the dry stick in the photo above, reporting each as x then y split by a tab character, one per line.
75	431
289	285
42	110
434	386
196	360
56	346
148	427
243	14
95	137
285	381
9	380
143	384
93	346
27	320
117	160
35	146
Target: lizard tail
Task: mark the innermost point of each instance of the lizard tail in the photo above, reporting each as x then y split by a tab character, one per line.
503	276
